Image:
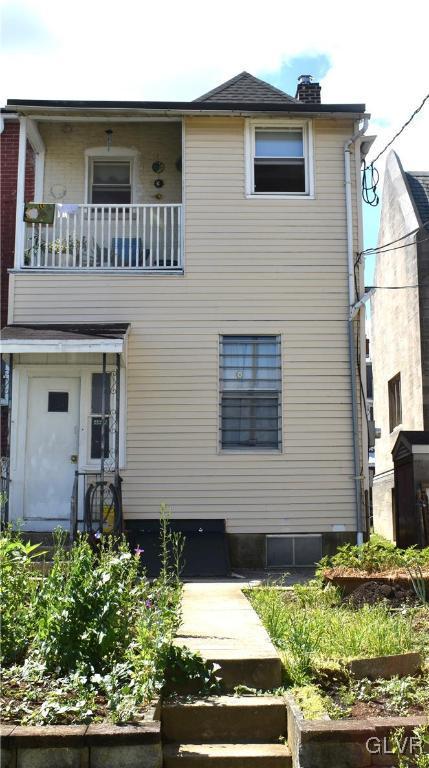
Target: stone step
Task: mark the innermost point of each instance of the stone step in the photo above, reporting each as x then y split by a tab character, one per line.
263	674
227	756
224	719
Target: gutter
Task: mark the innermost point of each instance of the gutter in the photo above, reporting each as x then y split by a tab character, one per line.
350	327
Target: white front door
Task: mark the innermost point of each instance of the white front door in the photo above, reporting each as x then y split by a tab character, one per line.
51	451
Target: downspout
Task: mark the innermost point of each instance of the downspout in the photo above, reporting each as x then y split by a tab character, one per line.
352	351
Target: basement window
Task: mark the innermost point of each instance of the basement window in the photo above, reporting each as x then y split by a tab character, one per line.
280	160
293	550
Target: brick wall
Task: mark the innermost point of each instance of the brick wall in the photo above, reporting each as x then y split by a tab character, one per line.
9	164
9	144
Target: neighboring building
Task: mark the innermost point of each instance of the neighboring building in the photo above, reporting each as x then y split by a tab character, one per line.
371	429
400	340
203	250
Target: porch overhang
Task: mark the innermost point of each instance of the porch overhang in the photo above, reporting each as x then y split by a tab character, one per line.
54	338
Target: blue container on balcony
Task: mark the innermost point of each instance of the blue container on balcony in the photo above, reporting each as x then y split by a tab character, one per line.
129	251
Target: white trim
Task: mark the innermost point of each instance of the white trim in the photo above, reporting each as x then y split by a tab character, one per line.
34	137
420	449
183	206
21	375
18	346
249	146
38	147
20	194
101	153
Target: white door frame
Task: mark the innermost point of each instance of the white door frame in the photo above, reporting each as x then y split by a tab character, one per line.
18	437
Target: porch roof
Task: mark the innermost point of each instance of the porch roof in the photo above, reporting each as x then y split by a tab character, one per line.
75	337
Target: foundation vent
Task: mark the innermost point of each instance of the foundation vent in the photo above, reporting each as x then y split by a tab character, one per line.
293	550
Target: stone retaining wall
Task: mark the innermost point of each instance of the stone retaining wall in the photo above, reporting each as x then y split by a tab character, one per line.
345	743
82	746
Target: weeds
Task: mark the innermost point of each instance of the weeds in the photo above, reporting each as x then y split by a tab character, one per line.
310	626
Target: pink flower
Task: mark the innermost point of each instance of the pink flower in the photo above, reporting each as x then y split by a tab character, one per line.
138	551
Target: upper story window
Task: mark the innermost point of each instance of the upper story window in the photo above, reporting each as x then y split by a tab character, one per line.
395	405
280	162
110	182
250	389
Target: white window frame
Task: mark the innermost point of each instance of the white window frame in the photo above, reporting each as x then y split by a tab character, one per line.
251	126
114	154
250	450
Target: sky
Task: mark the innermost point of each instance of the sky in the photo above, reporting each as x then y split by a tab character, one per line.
150	50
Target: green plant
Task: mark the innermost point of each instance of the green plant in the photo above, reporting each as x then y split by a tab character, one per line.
18	590
419	583
187	672
375	555
419	743
310	631
63	246
84	606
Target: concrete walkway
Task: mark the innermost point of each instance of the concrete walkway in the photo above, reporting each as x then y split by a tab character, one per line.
219	623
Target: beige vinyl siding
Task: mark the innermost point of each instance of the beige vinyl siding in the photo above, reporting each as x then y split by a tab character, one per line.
251	266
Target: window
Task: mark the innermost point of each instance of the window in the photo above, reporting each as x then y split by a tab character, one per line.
395	408
280	159
96	415
110	182
58	402
250	390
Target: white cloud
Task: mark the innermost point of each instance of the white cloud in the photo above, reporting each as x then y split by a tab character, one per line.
170	50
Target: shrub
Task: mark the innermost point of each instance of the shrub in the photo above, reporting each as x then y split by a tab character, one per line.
375	555
85	605
18	587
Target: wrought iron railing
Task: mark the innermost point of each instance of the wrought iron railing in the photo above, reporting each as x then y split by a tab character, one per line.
96	504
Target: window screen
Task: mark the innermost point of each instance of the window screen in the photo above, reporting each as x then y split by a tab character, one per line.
250	386
279	162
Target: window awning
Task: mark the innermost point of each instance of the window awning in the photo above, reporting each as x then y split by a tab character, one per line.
76	337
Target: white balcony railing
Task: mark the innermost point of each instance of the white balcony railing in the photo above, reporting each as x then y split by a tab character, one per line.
143	237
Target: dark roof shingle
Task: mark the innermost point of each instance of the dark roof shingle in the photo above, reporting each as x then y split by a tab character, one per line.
246	88
418	182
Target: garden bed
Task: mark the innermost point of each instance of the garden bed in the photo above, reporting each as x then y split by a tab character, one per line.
89	642
361	742
351	662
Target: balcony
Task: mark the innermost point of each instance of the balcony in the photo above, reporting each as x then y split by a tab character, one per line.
144	238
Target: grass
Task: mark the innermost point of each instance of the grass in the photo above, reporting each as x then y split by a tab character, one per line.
311	628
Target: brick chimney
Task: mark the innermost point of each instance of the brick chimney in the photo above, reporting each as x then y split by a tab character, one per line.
307	91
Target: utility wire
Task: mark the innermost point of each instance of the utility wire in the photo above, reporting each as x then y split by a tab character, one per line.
370	174
416	111
385	247
392	287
